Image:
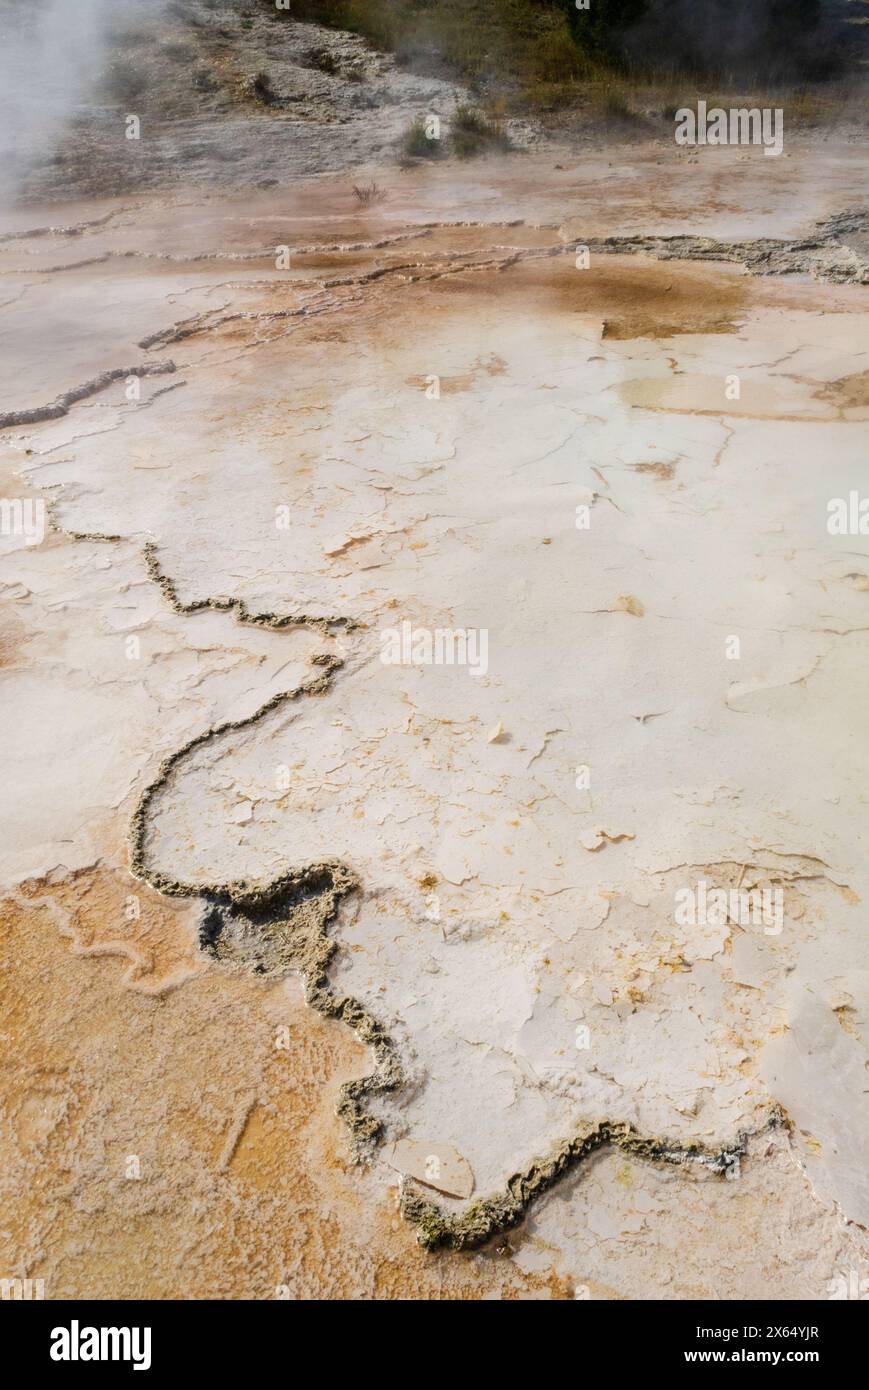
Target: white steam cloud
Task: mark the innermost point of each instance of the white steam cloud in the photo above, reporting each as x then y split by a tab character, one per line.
51	55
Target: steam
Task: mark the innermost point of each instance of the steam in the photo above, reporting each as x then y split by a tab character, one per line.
52	53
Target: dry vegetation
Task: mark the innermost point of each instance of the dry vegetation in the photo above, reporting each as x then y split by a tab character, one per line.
545	54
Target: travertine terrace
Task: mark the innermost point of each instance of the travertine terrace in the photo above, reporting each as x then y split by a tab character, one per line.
374	966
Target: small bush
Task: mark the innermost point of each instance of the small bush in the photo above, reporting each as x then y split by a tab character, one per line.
369	193
322	60
472	133
415	143
259	88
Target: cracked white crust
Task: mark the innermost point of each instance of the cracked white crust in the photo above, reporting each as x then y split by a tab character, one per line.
502	907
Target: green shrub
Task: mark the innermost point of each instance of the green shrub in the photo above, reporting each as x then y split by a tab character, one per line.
473	133
415	143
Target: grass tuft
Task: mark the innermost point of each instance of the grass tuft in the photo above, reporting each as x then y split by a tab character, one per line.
369	193
473	133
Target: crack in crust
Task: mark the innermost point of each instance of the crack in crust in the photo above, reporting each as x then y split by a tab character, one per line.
61	405
284	926
438	1229
237	606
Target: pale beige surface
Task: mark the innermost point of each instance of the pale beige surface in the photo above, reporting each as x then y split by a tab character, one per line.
501	907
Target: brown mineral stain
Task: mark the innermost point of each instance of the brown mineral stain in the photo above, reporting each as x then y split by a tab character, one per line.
689	393
13	637
629	603
850	396
339	261
634	296
488	364
108	912
664	472
99	1074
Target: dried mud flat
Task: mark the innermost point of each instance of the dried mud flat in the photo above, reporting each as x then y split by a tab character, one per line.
283	921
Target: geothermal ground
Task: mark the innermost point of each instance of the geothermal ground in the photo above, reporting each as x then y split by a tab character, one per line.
330	975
